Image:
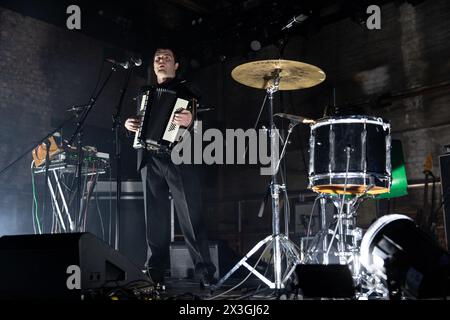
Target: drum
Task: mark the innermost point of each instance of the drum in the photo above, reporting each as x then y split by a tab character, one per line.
350	155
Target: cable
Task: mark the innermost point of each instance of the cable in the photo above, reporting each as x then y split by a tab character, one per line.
98	79
264	274
33	200
125	291
78	215
110	207
64	184
256	122
100	217
245	279
90	188
308	230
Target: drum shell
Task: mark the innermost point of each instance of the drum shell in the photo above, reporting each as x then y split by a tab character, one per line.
368	141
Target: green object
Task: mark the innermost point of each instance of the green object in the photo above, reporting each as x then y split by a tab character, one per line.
399	186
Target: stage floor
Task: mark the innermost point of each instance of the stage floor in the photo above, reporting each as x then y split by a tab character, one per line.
232	289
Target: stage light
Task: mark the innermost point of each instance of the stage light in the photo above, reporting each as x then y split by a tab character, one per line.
255	45
412	264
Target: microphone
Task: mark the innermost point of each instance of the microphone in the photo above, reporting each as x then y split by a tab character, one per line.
133	62
136	61
298	19
295	119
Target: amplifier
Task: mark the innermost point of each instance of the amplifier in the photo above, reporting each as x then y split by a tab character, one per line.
181	265
101	218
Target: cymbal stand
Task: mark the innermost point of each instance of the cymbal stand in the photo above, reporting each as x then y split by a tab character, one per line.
279	241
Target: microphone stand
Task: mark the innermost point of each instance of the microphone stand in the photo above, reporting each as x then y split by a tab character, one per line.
116	129
78	133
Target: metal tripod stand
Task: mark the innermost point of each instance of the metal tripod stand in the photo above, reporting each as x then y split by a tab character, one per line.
279	241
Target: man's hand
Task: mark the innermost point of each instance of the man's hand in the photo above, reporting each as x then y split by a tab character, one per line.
184	118
132	124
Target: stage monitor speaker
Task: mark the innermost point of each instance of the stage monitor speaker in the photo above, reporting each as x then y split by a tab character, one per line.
444	162
61	266
325	281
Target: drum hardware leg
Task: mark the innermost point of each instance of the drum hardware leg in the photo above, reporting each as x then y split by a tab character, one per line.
348	250
63	199
292	259
345	226
55	201
47	179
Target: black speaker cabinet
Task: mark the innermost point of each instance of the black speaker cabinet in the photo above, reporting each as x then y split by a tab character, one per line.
325	281
444	162
132	242
44	266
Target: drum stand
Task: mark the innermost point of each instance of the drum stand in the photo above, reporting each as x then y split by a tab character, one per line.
347	251
280	242
348	238
346	234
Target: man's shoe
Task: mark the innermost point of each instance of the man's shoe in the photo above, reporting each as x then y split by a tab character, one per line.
204	273
207	281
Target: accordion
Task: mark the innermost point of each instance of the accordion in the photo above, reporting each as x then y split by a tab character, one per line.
156	109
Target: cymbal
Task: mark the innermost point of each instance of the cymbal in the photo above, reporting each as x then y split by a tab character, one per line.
293	74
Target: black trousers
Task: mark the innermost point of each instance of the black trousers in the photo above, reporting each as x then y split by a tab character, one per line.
159	175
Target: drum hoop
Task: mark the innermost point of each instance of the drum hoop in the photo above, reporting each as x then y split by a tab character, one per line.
349	175
376	121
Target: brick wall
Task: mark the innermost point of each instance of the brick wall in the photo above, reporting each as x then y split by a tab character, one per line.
45	70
